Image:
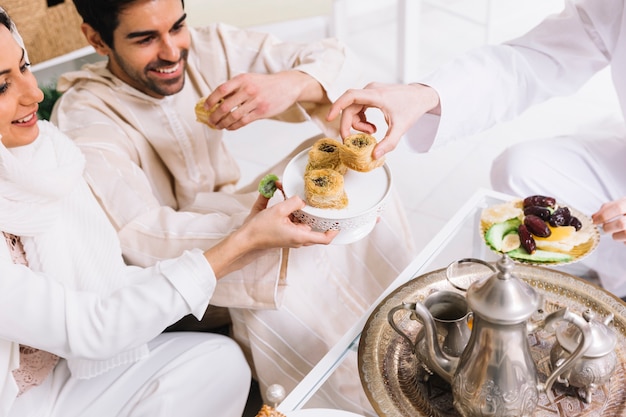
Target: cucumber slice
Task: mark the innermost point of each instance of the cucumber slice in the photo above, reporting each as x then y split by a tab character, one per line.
540	256
495	234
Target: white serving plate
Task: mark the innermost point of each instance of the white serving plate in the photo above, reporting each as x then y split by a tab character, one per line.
367	194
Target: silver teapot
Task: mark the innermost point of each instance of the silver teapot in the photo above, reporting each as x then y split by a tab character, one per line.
599	361
496	375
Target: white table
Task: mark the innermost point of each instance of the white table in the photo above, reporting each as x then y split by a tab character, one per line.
458	239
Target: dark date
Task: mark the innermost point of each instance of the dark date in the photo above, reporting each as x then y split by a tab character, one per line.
536	226
526	239
542	212
574	221
539	200
560	217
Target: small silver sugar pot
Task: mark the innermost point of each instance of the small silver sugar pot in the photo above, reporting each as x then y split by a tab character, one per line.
599	361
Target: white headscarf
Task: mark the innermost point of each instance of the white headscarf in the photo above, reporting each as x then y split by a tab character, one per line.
35	178
16	35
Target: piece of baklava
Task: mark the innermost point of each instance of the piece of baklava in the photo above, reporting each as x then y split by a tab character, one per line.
323	188
356	153
203	114
325	154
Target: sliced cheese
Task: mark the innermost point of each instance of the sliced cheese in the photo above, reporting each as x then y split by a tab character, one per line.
502	212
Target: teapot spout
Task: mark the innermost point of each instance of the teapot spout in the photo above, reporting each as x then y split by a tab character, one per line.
439	361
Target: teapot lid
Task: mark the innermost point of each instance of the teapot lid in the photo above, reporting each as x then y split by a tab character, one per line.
503	298
603	339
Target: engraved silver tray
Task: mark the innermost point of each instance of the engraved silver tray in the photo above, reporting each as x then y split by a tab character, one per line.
395	384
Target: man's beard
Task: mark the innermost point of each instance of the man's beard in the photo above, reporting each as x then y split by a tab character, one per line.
156	87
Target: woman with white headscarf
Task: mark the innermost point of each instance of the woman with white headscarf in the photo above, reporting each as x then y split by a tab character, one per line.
80	331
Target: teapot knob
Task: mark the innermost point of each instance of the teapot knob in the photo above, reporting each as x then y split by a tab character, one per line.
588	315
505	266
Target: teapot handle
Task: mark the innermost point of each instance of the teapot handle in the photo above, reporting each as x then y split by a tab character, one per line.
390	318
455	273
585	342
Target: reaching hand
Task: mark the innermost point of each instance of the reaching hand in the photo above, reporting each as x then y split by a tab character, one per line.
401	104
273	227
250	96
264	228
612	218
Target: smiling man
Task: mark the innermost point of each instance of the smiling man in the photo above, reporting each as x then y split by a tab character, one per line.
168	183
134	61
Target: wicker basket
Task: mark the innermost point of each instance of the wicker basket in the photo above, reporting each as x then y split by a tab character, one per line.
50	28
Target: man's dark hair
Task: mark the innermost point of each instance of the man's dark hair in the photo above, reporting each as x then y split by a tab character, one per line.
102	15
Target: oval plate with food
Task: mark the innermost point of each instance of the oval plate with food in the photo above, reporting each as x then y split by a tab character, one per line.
538	230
